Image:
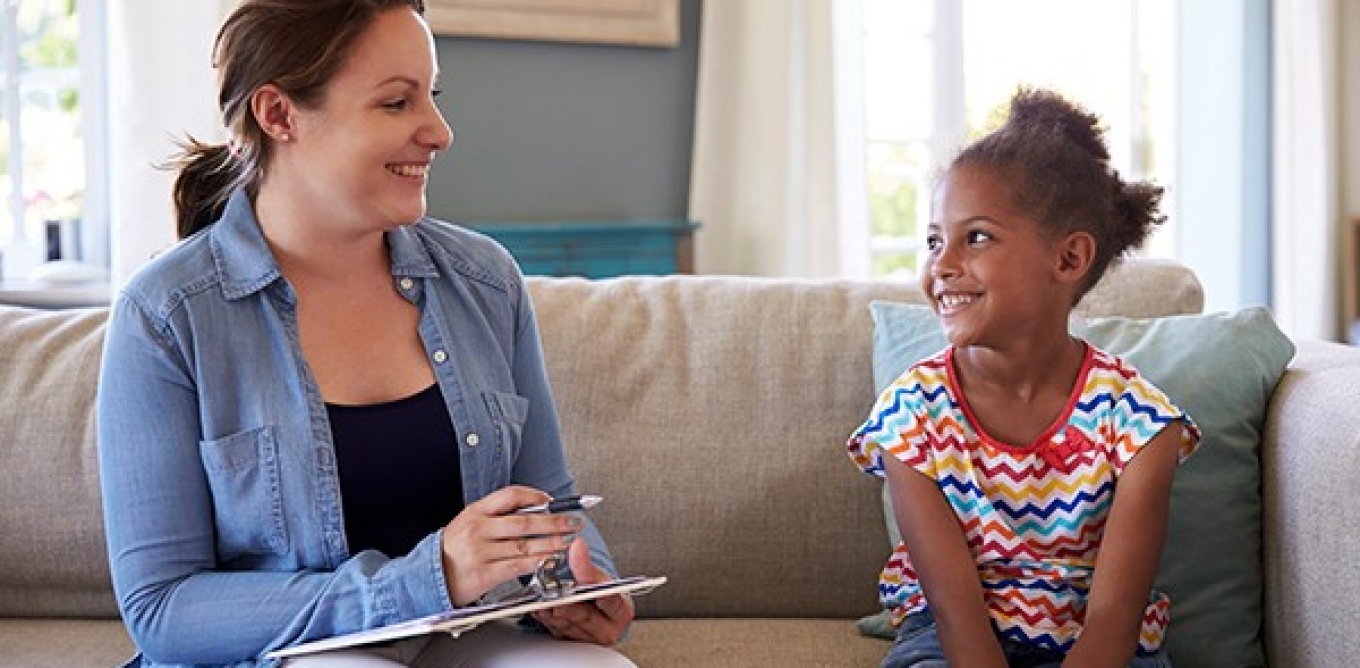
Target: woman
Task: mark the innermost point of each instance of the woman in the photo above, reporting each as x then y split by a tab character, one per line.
318	412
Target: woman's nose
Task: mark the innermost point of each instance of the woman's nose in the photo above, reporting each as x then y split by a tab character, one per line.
436	133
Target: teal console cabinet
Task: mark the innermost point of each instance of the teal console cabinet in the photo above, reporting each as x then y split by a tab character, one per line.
597	249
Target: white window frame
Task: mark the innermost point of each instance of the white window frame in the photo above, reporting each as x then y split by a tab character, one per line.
94	118
22	252
948	127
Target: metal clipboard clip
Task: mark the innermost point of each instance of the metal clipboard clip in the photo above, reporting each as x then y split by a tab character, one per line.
552	579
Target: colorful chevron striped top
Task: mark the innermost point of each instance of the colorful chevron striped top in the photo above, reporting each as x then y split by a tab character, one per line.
1033	517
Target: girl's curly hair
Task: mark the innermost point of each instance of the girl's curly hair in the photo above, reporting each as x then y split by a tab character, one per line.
1054	153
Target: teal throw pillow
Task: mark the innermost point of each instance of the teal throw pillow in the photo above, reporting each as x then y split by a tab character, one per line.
1221	369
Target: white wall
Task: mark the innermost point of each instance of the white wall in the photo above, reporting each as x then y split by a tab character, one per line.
161	85
1349	75
1222	149
1350	107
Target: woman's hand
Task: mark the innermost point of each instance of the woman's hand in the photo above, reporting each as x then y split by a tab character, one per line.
487	543
601	621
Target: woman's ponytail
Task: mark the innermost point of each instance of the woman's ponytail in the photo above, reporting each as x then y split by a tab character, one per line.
207	176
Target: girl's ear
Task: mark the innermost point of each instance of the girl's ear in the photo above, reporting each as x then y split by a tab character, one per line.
273	110
1076	252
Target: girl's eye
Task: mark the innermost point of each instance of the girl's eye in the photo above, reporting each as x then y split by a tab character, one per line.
978	236
933	243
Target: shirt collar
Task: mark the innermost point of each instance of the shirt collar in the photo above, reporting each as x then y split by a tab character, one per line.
246	265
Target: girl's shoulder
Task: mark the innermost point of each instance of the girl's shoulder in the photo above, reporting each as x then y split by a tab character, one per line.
931	371
1114	378
1108	369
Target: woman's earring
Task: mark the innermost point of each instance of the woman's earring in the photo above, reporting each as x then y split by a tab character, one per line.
286	137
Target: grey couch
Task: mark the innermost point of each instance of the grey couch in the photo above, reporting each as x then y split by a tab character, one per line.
711	414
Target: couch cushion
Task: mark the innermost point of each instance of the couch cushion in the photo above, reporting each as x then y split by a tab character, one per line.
53	560
1311	458
708	411
711	413
1144	288
63	643
1221	369
742	643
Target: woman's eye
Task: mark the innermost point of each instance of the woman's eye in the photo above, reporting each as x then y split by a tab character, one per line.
933	243
978	236
395	105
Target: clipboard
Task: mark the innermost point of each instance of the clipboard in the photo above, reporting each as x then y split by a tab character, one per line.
462	620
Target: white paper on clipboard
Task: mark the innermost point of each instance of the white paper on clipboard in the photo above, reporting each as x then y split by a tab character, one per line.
462	620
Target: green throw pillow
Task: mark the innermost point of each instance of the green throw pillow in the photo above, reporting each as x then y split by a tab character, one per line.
1221	369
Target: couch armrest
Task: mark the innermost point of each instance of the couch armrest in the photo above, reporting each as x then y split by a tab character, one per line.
1311	476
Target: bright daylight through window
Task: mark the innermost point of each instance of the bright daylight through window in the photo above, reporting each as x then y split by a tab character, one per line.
935	71
44	209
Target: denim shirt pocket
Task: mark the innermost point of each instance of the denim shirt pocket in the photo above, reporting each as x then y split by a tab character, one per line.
508	414
243	473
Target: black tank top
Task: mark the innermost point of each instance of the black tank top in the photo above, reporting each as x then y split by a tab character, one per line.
400	479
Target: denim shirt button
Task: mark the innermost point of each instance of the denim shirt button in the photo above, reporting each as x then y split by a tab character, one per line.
440	356
472	440
406	284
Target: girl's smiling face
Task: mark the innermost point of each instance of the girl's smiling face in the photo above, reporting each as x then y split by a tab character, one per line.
990	271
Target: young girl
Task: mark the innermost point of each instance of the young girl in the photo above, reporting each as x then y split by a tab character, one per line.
1003	452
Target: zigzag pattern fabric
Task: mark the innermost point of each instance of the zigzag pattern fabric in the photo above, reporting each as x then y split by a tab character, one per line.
1033	516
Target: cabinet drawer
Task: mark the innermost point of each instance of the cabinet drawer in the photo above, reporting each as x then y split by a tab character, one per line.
597	249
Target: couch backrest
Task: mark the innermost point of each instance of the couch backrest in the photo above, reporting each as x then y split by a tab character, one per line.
711	412
52	551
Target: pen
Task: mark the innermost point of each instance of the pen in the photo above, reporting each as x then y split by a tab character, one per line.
563	504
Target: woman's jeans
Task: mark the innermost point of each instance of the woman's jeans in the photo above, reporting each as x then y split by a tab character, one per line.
918	646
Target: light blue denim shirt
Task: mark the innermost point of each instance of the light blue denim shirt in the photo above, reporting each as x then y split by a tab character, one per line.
221	499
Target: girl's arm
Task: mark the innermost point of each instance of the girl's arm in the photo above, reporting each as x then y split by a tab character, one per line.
1129	555
945	567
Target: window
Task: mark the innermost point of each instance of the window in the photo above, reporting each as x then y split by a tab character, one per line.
50	160
936	70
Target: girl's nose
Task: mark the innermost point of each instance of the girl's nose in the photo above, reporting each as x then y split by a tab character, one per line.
945	263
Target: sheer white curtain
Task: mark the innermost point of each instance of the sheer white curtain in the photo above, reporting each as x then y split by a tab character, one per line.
778	169
1306	174
160	85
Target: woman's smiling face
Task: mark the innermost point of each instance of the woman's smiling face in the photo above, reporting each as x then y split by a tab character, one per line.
362	156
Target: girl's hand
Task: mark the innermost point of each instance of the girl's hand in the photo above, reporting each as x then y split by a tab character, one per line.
601	621
487	544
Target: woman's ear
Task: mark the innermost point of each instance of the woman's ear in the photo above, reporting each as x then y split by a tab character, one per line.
1076	253
273	110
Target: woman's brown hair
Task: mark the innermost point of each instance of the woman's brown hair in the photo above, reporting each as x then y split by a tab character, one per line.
297	45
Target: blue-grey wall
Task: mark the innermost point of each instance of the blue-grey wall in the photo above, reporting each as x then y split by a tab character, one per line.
551	131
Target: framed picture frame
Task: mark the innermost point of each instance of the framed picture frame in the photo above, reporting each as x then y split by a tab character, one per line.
648	23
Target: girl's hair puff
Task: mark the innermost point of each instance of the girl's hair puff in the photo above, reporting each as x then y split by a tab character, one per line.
1053	152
